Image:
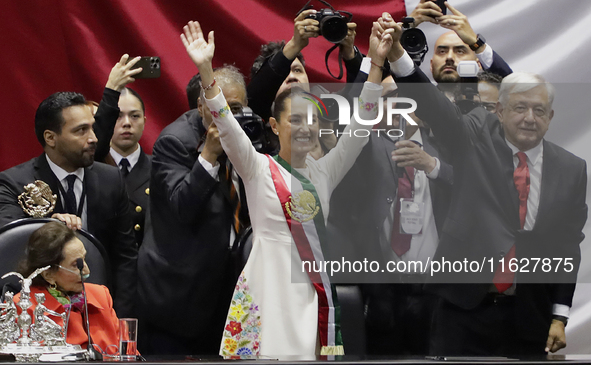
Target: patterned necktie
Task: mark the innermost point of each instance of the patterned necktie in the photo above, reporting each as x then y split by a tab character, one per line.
238	223
124	165
503	279
400	242
70	198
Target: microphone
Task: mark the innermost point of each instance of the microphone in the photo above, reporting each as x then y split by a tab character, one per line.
92	354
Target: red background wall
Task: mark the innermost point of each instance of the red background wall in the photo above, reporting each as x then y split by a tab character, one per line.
66	45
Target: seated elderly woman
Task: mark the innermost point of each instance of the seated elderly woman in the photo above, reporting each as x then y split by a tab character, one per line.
57	246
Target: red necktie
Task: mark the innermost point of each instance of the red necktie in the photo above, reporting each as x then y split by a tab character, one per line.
504	279
400	242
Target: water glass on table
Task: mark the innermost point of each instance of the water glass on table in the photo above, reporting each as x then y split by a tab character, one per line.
128	339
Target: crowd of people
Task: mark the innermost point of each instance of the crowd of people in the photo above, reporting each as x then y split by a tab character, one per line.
456	184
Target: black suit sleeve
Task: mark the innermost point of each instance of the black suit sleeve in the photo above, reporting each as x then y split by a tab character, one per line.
446	174
573	235
264	85
10	210
104	122
266	82
499	66
353	66
179	174
123	251
443	116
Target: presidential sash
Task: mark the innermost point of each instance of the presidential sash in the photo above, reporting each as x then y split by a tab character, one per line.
305	219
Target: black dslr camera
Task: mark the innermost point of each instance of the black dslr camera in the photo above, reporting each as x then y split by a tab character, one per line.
254	127
413	40
333	25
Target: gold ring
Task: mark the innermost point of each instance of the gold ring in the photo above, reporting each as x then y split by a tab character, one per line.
305	30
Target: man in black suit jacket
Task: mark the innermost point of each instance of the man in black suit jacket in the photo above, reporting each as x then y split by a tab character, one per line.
186	275
479	317
63	125
397	316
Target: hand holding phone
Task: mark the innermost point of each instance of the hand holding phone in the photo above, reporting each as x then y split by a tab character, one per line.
150	67
428	11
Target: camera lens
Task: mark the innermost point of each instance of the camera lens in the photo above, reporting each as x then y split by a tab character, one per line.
333	28
332	108
413	40
253	130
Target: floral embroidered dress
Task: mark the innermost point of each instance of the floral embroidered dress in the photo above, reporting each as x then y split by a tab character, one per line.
274	309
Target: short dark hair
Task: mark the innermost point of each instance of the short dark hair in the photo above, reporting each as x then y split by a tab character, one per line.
45	247
268	50
49	113
194	91
127	90
279	103
490	77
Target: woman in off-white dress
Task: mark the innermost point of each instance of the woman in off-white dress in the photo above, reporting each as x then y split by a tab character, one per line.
275	308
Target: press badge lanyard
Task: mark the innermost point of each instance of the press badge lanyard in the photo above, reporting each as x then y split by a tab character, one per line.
82	197
411	182
411	213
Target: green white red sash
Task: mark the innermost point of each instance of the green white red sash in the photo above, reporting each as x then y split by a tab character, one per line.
309	235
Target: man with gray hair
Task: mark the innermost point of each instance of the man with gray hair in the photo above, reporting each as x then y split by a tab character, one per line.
186	276
517	198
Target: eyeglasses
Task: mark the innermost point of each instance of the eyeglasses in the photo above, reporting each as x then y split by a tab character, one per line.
70	270
489	106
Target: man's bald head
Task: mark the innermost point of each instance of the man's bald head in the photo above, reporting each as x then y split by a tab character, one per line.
449	51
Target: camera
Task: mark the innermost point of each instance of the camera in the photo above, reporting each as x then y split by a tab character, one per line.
468	72
413	41
254	127
333	25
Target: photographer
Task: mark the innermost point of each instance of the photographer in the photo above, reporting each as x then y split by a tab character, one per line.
197	209
461	44
282	64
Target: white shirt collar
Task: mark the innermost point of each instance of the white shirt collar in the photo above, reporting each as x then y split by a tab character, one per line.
61	173
532	154
133	158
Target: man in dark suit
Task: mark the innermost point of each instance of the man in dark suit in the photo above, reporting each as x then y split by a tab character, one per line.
362	219
515	195
90	196
399	315
187	276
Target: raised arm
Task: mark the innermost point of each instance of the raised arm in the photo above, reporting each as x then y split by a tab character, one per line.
108	110
234	140
432	106
489	59
340	159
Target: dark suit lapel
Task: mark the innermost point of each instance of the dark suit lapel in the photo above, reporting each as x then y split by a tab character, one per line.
43	172
550	166
91	184
385	146
139	174
504	159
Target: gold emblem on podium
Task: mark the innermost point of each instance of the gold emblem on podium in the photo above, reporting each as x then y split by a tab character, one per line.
37	200
302	206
